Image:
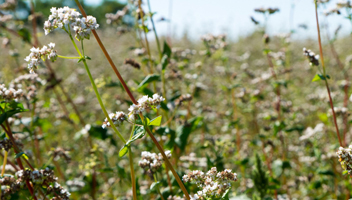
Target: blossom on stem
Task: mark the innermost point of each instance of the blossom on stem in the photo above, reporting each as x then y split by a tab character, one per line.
144	103
37	54
151	161
117	118
213	184
345	158
69	18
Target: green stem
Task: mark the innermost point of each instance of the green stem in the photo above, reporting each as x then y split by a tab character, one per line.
95	88
68	57
158	189
133	179
326	81
154	30
159	50
4	164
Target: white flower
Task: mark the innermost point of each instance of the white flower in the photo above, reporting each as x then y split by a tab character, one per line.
37	54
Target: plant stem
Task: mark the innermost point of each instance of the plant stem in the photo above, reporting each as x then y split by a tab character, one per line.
95	88
158	189
154	30
167	162
4	164
324	74
159	50
133	179
68	57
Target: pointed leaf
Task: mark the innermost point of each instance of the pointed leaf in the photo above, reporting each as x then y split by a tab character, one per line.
123	151
156	121
167	50
149	79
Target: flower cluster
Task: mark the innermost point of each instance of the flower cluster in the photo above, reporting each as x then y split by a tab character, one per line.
10	93
195	197
313	59
40	54
214	42
117	118
110	17
213	184
60	153
5	144
31	90
43	176
345	158
67	17
144	103
14	184
151	161
59	191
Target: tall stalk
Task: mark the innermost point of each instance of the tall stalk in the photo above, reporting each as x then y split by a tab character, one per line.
324	73
83	57
167	162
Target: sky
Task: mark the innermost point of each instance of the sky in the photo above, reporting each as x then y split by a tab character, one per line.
199	17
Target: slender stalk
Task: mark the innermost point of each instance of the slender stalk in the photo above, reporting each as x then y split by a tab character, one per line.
158	189
159	50
324	74
346	86
4	164
95	88
133	179
68	57
154	30
167	162
145	36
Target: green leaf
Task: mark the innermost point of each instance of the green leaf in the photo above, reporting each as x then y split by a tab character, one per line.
138	133
326	172
316	78
155	122
144	28
149	79
123	151
21	154
154	186
79	60
164	62
184	131
98	132
167	50
15	108
225	196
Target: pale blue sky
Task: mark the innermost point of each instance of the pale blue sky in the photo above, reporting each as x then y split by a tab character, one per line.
199	17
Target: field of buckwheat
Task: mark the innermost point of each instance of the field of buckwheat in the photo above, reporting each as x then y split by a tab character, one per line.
105	112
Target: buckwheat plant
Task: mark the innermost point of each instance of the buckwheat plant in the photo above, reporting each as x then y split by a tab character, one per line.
70	21
345	158
213	184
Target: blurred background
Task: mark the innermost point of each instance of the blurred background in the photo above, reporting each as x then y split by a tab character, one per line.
177	18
